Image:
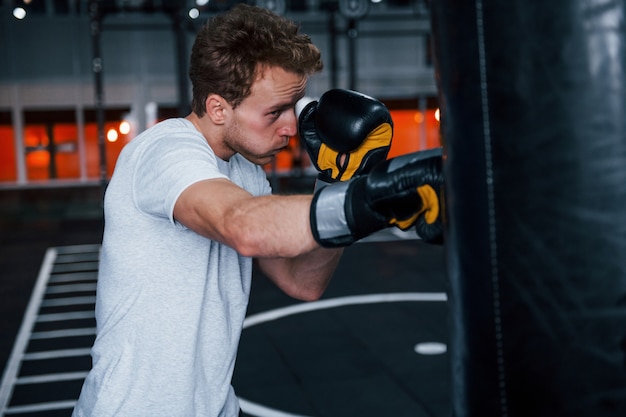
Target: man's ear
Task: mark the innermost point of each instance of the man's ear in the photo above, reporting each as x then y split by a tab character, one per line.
217	108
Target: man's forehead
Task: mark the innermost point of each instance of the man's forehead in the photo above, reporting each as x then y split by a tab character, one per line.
282	85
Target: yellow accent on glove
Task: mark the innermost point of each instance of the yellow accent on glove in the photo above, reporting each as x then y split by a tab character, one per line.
430	208
329	158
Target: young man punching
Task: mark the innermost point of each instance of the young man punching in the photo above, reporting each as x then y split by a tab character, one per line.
189	207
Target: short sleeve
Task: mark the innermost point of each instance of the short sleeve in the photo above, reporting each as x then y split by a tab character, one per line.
166	167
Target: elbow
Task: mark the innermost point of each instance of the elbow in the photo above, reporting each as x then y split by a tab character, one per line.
250	244
308	293
314	296
243	241
311	296
245	248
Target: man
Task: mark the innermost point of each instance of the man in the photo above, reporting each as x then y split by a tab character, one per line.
189	206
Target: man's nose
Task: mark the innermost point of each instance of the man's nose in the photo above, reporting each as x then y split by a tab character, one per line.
290	127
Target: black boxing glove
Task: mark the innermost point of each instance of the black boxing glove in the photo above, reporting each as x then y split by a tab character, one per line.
401	192
345	134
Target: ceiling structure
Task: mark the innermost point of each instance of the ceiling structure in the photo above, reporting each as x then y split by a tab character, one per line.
349	8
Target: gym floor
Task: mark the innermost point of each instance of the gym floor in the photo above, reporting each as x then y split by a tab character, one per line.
374	345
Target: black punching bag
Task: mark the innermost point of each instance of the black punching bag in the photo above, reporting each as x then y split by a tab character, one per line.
534	130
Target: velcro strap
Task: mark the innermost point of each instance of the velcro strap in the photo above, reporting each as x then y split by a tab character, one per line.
328	158
328	217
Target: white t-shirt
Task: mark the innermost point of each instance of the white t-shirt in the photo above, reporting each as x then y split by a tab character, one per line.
170	303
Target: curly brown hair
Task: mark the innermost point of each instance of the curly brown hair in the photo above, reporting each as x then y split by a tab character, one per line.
231	48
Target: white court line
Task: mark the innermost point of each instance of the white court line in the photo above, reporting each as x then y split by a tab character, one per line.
70	315
339	302
78	249
42	379
258	410
77	257
33	408
12	367
55	334
69	301
78	276
65	288
54	354
262	411
77	267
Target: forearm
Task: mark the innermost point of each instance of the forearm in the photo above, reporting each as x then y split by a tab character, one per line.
306	276
272	226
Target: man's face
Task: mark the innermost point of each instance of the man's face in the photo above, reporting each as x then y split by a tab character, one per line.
265	120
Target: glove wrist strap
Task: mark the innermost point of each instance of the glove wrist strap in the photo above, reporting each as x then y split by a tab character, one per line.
340	215
328	217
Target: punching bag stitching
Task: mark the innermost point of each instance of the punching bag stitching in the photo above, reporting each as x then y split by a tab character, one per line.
491	205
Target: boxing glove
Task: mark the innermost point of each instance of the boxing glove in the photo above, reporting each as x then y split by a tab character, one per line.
345	133
401	192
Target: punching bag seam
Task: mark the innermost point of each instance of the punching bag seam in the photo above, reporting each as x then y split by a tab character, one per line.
491	205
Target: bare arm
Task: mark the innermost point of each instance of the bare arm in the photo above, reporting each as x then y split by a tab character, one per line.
275	229
304	277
